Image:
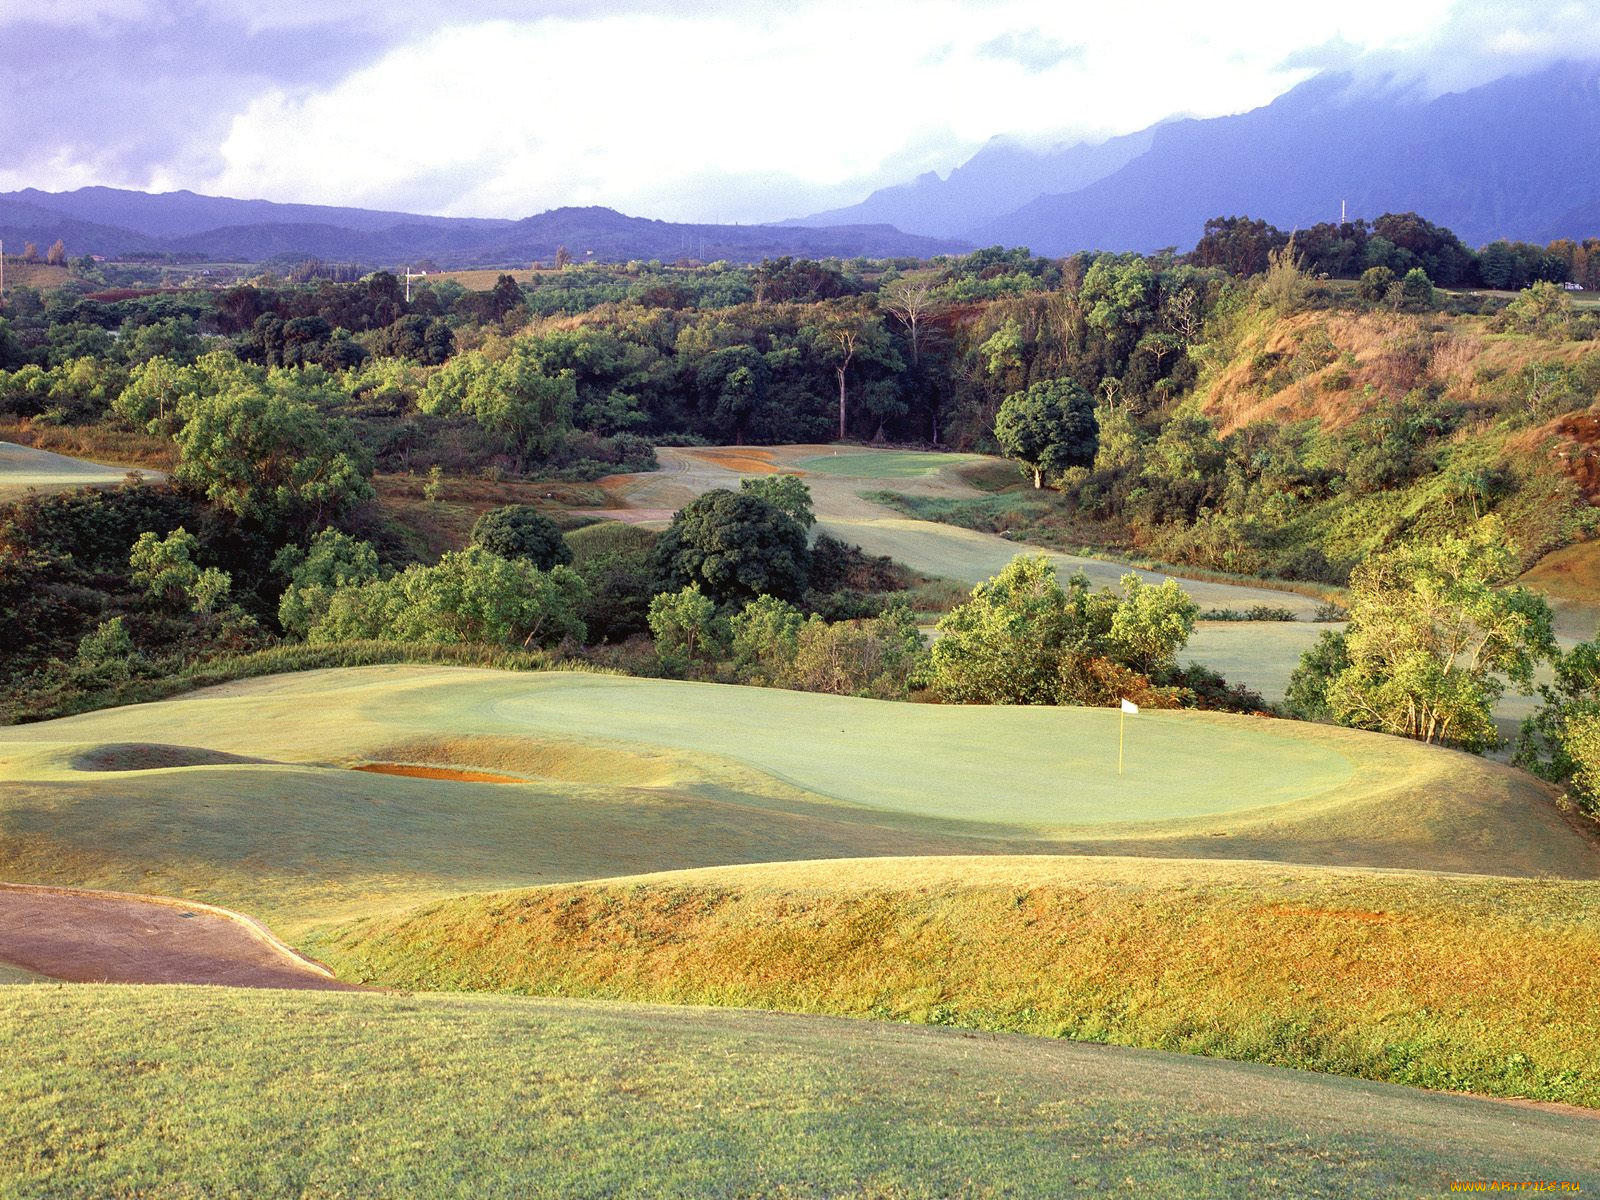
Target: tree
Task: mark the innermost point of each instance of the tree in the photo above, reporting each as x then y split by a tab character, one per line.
683	623
1049	427
1433	628
1024	639
764	635
267	454
786	493
736	546
876	658
522	531
911	303
166	569
56	256
563	258
1561	740
333	560
30	252
470	596
513	397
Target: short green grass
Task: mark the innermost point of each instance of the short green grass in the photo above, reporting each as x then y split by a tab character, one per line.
1455	982
884	464
184	1092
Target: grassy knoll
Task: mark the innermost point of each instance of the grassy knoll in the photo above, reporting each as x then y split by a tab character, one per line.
628	775
177	1092
1449	982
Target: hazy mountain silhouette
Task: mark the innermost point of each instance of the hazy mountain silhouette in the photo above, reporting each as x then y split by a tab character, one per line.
114	222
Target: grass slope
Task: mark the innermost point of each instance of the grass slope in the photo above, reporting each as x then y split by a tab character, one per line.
626	776
169	1092
1453	982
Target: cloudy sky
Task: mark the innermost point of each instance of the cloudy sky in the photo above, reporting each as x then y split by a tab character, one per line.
718	110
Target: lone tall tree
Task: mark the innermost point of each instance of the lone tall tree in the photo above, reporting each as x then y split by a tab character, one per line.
1049	427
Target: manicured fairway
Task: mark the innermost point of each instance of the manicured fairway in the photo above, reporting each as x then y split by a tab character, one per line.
883	464
23	467
164	1092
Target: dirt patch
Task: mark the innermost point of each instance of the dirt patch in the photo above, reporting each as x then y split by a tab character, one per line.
153	756
453	773
744	459
116	937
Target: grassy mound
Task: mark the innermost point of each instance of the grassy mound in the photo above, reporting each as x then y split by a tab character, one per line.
1448	982
146	756
109	1091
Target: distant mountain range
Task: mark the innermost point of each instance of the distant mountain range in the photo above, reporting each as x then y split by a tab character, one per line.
114	222
1516	158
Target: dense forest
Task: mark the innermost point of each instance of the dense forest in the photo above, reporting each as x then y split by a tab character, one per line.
1268	405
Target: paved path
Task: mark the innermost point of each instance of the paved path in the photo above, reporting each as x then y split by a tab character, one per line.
116	937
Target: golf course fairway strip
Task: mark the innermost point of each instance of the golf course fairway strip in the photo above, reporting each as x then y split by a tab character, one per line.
838	476
23	468
184	1092
112	937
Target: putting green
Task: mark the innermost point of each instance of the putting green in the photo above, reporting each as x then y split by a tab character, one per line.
1022	769
884	464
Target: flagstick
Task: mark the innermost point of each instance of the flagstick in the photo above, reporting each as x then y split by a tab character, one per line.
1122	726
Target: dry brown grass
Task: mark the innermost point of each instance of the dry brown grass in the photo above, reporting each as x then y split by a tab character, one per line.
1433	980
34	274
99	443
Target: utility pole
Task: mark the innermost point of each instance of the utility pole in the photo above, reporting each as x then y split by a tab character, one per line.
409	278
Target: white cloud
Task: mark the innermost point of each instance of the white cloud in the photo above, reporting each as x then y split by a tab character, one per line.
721	116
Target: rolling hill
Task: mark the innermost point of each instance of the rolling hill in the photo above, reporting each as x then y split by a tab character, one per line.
115	222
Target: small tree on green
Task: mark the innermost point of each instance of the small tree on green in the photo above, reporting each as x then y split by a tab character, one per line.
1049	428
522	531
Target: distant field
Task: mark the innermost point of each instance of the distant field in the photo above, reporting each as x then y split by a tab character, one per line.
479	281
39	275
109	1091
885	464
23	468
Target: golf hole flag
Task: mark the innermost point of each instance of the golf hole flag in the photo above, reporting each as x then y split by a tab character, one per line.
1128	706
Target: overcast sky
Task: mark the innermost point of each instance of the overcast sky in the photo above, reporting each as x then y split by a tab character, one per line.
719	110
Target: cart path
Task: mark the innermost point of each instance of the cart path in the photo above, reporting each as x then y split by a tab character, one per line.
83	936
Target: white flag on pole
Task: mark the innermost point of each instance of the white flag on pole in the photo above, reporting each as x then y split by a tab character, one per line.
1128	706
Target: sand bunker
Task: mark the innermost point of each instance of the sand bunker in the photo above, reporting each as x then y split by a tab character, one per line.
481	759
453	773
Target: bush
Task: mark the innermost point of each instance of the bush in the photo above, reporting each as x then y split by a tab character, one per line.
521	531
